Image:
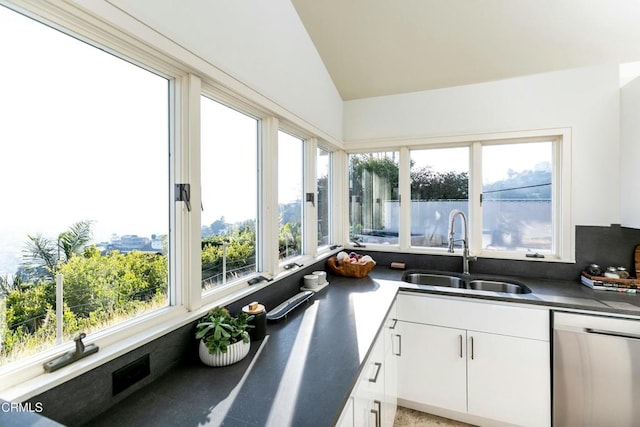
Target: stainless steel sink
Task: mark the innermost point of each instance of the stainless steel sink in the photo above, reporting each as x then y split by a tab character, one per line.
495	286
434	280
464	282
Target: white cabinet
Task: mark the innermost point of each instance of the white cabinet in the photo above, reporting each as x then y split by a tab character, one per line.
373	400
509	379
391	343
369	396
432	368
346	418
476	359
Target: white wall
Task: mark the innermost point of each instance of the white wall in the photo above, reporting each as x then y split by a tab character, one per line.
585	99
630	154
262	44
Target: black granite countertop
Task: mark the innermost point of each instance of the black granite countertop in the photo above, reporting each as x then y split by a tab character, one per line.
303	371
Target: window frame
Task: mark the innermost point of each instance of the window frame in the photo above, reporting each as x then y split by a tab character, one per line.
330	198
403	181
210	92
563	227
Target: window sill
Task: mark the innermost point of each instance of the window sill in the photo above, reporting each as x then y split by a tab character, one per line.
443	252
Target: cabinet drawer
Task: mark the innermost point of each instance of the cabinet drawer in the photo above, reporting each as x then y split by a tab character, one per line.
484	316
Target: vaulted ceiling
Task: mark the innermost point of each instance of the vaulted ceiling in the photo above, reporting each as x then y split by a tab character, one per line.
382	47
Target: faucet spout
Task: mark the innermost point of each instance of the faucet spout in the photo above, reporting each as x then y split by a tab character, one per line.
465	240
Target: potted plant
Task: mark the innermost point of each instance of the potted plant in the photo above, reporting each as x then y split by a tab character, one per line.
224	339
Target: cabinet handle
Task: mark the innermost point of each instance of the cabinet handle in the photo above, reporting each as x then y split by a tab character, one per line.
395	322
460	345
375	377
377	411
472	353
399	353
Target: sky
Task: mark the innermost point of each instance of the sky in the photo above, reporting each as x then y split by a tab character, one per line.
83	136
496	161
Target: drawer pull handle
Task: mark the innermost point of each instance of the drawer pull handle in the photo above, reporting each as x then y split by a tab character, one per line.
399	353
395	322
375	377
377	411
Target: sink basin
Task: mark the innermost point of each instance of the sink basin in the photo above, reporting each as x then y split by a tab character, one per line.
434	280
495	286
465	282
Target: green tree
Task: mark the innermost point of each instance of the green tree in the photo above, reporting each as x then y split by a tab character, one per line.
429	185
42	256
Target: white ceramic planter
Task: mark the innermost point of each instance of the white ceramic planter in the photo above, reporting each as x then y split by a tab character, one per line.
235	353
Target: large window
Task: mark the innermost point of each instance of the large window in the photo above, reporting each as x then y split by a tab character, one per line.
513	188
85	212
517	189
373	198
439	184
290	192
229	171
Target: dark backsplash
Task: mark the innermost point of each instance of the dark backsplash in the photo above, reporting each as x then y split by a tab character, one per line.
79	400
606	246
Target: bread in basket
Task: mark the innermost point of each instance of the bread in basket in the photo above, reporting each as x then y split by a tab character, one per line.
351	266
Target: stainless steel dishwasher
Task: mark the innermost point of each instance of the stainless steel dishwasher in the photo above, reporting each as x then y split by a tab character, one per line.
596	371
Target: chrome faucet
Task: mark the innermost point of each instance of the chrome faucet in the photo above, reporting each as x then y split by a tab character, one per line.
465	240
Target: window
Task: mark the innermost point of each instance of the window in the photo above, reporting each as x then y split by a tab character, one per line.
290	191
229	182
85	143
517	189
514	188
373	198
439	184
323	182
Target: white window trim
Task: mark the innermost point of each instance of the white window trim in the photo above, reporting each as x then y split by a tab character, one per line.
564	229
332	199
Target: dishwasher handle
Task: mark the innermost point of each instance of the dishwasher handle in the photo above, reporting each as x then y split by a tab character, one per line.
611	333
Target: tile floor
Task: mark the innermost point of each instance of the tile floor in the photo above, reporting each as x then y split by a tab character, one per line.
406	417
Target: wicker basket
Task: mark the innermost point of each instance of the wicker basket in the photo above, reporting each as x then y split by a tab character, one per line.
630	282
349	270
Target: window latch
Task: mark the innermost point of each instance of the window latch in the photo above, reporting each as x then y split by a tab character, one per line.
183	194
311	198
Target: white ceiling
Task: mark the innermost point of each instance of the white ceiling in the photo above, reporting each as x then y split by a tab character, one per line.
384	47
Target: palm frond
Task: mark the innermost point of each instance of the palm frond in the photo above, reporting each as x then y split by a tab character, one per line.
75	239
40	252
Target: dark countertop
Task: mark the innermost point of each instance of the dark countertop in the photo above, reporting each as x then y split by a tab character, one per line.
303	371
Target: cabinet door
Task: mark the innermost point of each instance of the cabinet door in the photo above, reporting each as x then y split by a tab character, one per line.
432	365
509	379
391	343
369	394
346	418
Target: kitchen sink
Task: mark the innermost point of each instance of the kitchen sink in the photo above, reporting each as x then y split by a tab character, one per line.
495	286
434	280
474	283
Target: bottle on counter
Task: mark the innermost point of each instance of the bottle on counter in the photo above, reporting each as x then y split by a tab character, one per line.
594	270
622	272
612	273
259	321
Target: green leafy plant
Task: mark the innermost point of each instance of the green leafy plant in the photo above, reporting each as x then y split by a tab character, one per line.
218	329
